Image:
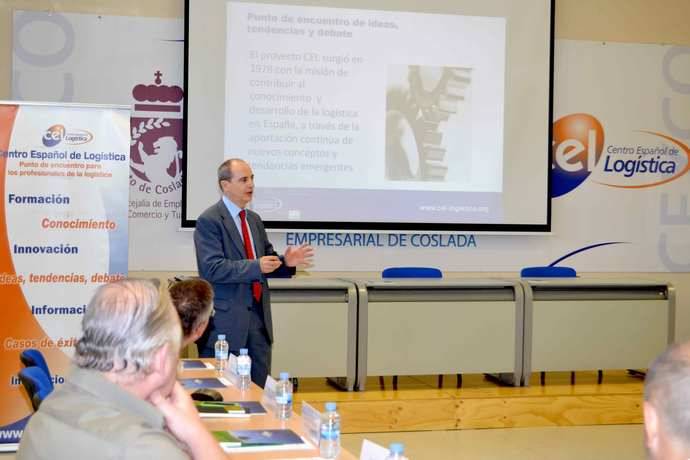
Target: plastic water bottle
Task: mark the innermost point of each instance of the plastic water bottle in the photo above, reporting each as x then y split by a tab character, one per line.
284	396
221	348
395	452
329	438
244	369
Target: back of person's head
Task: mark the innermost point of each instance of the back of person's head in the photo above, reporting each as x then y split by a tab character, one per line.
667	404
193	300
125	323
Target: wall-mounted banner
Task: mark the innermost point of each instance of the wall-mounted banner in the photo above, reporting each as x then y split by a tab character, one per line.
620	156
63	229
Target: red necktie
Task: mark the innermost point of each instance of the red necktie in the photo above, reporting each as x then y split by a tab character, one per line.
256	286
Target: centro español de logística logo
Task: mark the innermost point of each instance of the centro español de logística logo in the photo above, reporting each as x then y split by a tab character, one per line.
645	159
57	133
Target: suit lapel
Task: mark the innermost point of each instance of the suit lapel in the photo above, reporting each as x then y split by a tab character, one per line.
230	227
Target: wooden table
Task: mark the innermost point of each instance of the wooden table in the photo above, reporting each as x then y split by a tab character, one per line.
257	422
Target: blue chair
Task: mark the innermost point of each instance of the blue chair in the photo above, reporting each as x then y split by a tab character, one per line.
32	357
37	384
411	272
548	272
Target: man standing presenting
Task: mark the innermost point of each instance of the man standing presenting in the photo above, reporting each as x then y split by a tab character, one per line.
233	253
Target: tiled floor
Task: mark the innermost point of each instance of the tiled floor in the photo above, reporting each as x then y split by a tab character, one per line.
604	442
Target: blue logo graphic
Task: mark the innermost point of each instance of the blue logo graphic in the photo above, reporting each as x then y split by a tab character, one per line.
57	133
583	249
53	135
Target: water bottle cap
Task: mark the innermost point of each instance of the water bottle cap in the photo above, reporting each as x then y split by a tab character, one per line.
221	336
397	448
330	406
284	375
244	352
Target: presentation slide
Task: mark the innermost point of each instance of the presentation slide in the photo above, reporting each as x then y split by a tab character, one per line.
380	118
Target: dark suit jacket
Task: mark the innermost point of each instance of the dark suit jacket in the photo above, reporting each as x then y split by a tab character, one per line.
222	261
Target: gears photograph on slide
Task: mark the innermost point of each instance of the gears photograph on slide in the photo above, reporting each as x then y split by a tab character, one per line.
423	108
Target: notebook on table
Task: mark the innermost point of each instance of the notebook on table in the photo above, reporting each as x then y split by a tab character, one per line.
211	382
260	440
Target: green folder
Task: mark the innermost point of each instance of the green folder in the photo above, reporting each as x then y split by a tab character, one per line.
226	439
219	409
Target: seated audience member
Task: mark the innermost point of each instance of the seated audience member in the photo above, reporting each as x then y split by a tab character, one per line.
193	300
667	405
121	399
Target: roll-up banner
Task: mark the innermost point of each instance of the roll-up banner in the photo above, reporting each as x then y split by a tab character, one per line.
64	172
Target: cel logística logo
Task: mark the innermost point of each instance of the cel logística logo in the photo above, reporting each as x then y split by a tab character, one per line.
53	135
646	158
57	133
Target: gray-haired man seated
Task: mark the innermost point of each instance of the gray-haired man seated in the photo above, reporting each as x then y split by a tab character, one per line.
667	405
121	399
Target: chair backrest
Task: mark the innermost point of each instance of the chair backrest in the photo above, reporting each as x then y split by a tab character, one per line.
411	272
32	357
548	272
37	384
